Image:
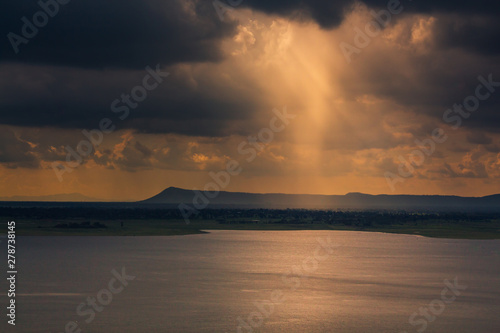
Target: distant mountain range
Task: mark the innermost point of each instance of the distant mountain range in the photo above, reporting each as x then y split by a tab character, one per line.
173	195
70	197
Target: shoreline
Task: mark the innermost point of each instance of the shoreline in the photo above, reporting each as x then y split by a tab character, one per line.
430	232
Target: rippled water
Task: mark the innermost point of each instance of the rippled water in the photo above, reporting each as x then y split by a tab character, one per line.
217	282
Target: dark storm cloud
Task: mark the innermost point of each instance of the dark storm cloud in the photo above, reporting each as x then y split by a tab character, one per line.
56	79
326	13
100	34
472	33
115	33
471	25
80	98
329	14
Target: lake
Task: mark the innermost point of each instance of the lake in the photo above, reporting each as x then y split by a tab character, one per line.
256	281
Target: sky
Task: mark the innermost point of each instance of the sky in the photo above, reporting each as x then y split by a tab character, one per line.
120	99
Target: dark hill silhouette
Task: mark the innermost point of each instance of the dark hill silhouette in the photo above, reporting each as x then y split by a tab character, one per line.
173	195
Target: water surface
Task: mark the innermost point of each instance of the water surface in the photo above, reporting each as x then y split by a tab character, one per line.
371	282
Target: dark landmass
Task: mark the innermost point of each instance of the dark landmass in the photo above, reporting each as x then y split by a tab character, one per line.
128	220
433	216
173	196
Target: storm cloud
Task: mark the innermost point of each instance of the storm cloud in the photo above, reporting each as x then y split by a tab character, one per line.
226	76
112	34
